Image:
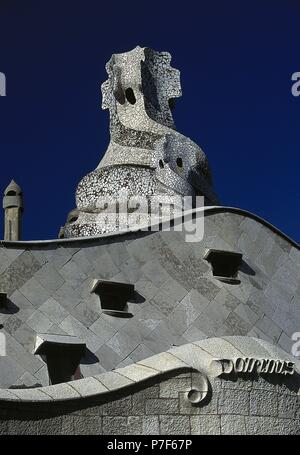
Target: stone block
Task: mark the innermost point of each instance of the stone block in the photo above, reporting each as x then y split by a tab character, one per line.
143	249
24	306
148	318
227	299
192	355
123	344
26	336
234	325
12	324
49	278
67	296
32	395
39	322
88	425
205	425
172	387
164	362
263	403
207	287
61	391
163	303
262	425
248	346
51	426
135	425
154	271
187	311
118	252
146	288
265	382
104	267
85	313
73	274
233	402
22	427
139	399
42	376
67	425
161	406
237	383
83	262
53	310
19	271
267	326
233	425
256	333
88	386
141	352
246	314
114	425
287	406
34	292
193	334
102	329
219	348
18	352
212	318
10	371
3	426
112	380
28	380
174	290
150	425
174	425
137	372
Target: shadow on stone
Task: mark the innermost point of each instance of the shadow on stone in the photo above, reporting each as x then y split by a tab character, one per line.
9	308
136	298
245	268
89	358
24	386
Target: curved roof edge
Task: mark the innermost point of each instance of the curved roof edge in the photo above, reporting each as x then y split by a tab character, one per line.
203	356
207	210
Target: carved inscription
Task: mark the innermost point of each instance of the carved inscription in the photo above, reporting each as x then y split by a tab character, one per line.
252	365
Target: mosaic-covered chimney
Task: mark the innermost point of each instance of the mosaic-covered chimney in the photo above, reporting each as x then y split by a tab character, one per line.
146	157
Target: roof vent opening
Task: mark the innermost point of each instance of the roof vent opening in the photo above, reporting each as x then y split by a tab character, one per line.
225	264
62	354
114	297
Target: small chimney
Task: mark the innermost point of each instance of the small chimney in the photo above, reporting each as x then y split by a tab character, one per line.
13	208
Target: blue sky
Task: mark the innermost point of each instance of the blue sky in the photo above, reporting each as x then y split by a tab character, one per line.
236	60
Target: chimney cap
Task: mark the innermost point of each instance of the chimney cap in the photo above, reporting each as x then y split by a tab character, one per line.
13	196
13	186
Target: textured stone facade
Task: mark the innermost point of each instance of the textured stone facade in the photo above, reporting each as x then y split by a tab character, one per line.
250	404
177	299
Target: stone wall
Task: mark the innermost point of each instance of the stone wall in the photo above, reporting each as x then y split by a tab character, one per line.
177	299
252	405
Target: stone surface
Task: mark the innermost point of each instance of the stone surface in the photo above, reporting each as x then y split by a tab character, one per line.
166	312
140	409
